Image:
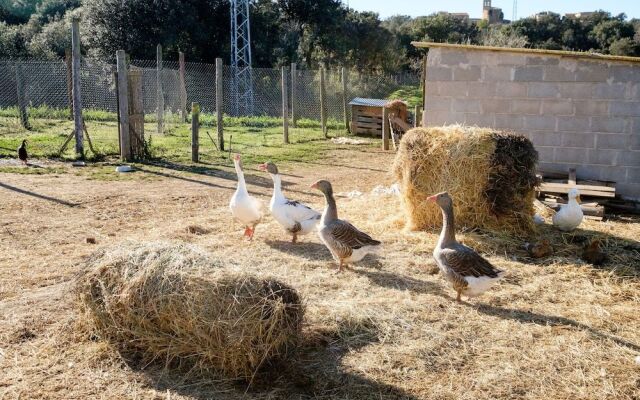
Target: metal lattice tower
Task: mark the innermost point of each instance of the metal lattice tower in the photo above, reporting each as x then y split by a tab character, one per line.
514	16
242	76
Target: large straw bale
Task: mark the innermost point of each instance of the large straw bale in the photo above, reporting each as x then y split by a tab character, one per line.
489	174
175	304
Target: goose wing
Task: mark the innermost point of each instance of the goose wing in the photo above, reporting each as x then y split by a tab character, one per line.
467	262
300	212
349	236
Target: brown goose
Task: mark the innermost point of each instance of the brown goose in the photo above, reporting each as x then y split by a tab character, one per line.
466	270
22	152
345	242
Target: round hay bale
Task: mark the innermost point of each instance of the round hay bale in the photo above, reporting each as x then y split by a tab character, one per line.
174	303
399	108
489	174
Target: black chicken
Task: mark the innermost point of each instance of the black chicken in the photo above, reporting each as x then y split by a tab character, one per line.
22	152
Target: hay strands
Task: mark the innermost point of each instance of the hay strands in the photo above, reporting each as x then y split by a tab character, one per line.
549	184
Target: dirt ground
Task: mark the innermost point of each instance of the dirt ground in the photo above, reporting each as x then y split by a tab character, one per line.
555	328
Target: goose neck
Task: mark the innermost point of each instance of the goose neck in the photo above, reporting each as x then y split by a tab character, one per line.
448	233
331	210
278	197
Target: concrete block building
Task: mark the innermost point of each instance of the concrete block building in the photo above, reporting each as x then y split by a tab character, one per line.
580	110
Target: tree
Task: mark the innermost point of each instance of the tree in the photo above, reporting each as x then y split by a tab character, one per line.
609	31
624	47
13	43
444	28
502	37
198	27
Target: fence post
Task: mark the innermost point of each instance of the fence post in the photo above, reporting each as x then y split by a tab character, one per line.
22	103
424	82
323	112
67	61
385	128
123	105
77	98
294	117
219	105
344	100
160	99
195	126
136	113
285	107
183	89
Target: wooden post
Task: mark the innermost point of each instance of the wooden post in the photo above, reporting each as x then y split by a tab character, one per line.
22	101
183	89
424	82
136	113
123	105
67	61
77	98
385	128
285	107
195	126
572	177
323	112
294	72
160	99
219	105
344	100
415	117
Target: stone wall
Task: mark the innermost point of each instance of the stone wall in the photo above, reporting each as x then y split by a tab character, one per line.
579	112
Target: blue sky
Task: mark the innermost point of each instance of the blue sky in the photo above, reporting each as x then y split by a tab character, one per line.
416	8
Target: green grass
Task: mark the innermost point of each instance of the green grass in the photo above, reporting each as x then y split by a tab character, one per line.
32	170
411	94
258	139
206	119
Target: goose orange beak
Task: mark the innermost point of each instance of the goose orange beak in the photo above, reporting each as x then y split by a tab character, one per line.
262	167
314	185
432	198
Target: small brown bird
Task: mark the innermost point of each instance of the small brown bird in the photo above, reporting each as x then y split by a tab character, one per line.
593	254
22	152
540	249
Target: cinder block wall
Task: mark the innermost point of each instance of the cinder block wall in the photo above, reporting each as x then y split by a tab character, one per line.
578	112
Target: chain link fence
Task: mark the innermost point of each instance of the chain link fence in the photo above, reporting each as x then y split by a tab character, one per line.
45	89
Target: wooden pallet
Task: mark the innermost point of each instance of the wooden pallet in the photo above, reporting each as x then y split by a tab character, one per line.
587	188
552	185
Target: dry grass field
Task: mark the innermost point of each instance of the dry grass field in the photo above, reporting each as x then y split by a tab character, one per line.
388	328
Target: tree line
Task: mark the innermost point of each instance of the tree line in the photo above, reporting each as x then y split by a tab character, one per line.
308	32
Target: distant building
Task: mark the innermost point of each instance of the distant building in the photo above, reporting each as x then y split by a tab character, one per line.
462	16
493	15
579	15
540	15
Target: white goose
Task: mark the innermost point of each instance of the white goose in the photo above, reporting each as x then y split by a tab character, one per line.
570	215
295	217
244	207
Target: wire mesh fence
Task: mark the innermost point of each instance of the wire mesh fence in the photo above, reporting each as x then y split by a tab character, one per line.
45	89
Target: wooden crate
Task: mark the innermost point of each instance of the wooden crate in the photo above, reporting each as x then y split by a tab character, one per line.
366	120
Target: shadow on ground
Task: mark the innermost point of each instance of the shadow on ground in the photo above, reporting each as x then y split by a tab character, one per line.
307	250
263	180
551	320
315	370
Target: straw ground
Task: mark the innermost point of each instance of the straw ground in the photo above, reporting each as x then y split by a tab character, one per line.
387	328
